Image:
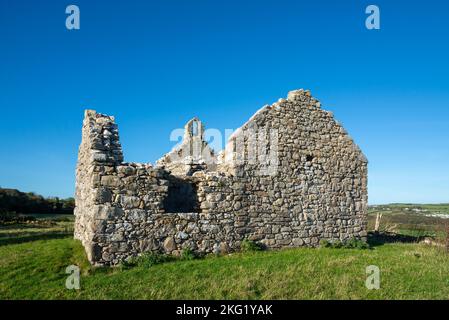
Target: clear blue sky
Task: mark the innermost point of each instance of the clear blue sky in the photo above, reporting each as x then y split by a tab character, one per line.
156	64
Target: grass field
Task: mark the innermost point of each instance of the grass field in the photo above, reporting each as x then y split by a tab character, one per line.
33	263
45	227
412	219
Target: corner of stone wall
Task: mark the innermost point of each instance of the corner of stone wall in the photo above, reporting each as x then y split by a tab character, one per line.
100	147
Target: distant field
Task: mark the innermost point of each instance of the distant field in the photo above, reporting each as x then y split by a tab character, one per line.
413	219
407	208
46	226
52	216
33	259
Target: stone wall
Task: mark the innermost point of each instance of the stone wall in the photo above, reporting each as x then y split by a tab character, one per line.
193	154
309	182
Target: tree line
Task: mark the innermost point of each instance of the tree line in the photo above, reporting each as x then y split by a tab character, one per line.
12	200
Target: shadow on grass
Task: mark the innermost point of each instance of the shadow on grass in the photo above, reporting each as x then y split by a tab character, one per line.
381	238
29	238
23	226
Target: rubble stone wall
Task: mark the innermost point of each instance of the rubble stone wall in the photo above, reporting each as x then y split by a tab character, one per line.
308	183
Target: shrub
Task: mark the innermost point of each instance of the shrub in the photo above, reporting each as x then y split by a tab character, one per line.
325	243
128	263
338	244
348	244
249	246
152	258
145	260
188	254
356	244
13	218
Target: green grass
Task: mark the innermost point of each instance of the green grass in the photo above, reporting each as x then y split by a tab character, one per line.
52	216
33	259
35	270
413	209
429	220
48	227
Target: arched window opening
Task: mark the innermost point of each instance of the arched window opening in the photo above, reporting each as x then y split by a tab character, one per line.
195	128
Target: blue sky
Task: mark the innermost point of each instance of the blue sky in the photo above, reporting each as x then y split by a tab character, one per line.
156	64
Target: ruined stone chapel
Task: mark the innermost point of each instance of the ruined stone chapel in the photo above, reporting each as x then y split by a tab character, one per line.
289	177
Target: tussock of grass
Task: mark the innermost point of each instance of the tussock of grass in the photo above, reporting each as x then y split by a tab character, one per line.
349	244
250	246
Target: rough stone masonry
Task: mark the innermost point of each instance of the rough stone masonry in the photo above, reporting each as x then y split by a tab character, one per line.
307	182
